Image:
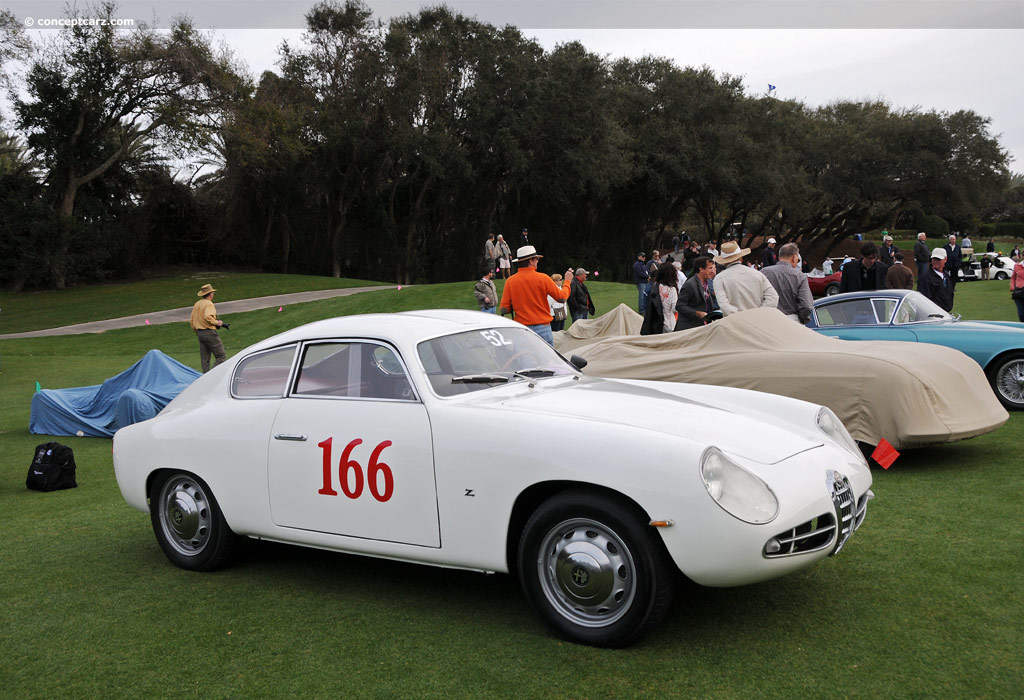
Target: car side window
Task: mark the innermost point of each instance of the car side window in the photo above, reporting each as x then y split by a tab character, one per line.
884	309
904	314
357	370
263	375
856	312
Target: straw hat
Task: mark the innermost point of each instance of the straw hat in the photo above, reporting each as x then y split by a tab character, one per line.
206	289
731	252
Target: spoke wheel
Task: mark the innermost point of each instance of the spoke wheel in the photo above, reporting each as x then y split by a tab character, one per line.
832	289
1007	378
594	570
188	523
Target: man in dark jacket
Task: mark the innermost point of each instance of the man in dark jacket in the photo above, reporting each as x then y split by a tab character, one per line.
580	303
888	252
921	254
642	278
769	257
866	273
935	283
696	300
954	260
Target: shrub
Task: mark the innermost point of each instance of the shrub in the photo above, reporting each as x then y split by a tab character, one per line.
1002	229
934	226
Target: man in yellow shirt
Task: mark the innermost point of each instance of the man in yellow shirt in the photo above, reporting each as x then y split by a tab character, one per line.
205	323
526	293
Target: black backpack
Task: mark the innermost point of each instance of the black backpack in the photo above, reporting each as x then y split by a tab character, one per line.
52	469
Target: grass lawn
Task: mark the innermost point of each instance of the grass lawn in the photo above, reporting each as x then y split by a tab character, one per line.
924	602
29	311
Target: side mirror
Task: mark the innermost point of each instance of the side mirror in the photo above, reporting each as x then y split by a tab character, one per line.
578	362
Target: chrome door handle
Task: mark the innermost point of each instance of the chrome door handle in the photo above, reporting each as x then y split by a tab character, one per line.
290	436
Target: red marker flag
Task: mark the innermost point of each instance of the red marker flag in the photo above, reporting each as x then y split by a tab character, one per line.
885	454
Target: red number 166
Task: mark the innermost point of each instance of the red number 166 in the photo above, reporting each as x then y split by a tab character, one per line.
346	465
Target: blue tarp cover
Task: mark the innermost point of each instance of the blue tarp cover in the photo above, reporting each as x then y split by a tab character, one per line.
138	393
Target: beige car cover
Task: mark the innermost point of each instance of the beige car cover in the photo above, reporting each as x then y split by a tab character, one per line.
911	394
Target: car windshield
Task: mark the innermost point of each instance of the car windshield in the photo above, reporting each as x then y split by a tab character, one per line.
481	359
917	308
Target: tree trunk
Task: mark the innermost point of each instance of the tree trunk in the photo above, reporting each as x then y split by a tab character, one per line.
336	233
266	238
410	233
59	252
286	241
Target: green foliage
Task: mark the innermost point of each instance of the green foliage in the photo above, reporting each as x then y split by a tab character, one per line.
935	226
390	150
95	100
1002	229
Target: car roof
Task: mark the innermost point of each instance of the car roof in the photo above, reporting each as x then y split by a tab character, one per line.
846	296
408	325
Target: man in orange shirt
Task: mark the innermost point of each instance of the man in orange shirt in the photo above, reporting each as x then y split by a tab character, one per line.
526	293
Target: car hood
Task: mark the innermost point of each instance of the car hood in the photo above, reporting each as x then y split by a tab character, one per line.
1007	327
639	408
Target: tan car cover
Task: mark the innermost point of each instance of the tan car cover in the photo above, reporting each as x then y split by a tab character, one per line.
911	394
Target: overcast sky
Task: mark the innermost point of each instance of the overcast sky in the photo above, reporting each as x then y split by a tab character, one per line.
937	54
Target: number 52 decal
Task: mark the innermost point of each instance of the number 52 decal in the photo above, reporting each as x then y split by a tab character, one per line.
375	470
495	338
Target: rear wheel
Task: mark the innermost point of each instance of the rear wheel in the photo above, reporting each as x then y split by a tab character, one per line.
1006	375
1002	275
594	569
188	523
831	289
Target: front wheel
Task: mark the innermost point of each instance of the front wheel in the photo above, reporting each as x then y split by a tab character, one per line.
1006	375
188	522
594	569
1002	276
832	289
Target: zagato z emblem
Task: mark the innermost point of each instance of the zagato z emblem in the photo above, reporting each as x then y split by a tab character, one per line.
469	492
580	576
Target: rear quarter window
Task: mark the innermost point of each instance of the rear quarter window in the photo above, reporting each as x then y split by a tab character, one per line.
263	375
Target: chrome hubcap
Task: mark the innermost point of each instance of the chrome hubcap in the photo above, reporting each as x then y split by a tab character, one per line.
586	572
185	515
1010	381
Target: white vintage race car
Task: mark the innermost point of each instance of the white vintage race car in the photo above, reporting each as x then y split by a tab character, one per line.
459	439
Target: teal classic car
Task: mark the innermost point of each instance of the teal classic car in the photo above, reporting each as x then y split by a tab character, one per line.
901	314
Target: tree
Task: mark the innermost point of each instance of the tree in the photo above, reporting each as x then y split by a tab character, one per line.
96	94
338	75
14	45
23	216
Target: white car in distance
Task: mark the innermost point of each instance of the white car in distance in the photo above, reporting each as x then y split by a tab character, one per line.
459	439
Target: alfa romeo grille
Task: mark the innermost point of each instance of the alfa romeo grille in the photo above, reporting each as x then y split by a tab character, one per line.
811	536
828	529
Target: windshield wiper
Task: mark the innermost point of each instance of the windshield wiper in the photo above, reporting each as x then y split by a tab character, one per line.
480	379
936	315
534	372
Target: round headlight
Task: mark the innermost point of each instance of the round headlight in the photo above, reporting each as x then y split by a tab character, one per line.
736	490
829	423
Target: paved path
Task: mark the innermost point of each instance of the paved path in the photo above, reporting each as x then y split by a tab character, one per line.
183	315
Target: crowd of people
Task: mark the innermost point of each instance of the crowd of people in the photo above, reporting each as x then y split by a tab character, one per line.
695	284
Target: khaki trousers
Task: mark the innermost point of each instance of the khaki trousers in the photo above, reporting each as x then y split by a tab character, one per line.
209	343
